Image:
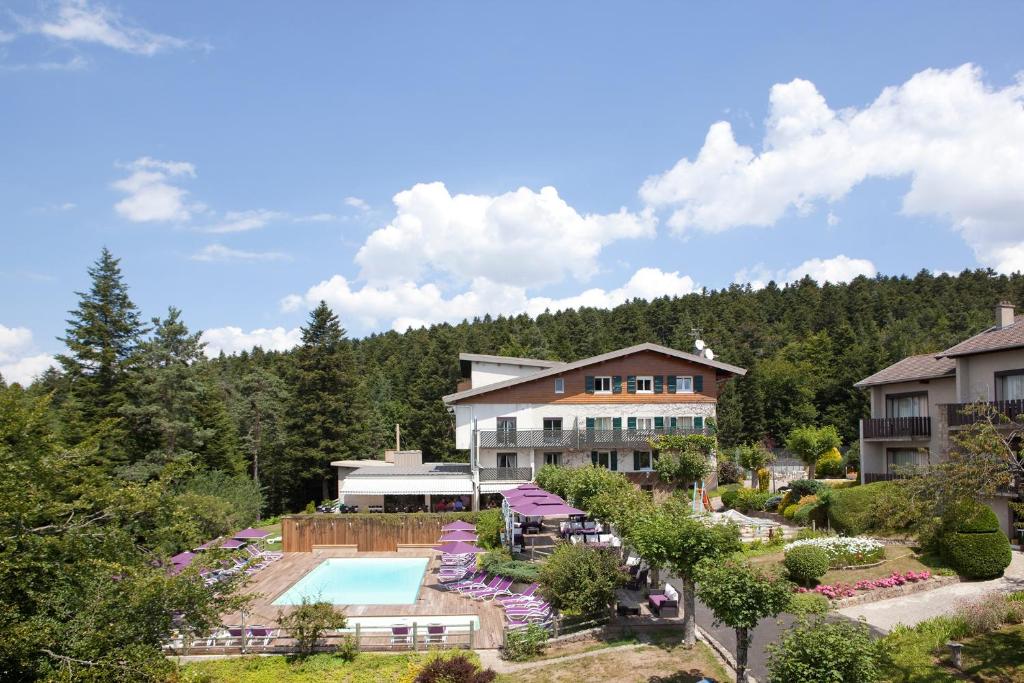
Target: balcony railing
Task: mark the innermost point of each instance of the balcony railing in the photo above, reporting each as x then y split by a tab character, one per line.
506	474
897	427
576	439
964	414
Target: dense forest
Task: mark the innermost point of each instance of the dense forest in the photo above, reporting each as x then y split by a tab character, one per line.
146	395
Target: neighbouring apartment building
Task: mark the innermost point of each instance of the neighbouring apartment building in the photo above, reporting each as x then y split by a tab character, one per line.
918	402
514	415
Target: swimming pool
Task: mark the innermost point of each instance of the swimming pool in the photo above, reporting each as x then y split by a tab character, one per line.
360	581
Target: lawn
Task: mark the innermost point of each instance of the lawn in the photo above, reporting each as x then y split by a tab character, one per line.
661	663
990	658
717	492
275	532
899	558
368	667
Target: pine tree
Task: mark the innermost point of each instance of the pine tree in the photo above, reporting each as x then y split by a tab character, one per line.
259	405
102	338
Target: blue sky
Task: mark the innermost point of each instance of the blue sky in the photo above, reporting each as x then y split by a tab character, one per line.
246	159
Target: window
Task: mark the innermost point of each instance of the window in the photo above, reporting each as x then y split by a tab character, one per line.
645	423
604	459
559	385
905	457
1010	385
507	461
907	405
507	431
553	459
603	423
642	461
645	385
602	385
684	385
685	422
552	429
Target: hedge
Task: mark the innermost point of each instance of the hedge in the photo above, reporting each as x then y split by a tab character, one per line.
972	542
882	506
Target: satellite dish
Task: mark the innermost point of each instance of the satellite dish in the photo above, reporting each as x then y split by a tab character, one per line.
699	344
709	354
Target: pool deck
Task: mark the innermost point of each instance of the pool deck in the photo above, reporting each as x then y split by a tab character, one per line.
431	600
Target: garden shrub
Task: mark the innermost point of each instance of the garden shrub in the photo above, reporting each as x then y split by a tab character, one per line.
729	472
772	504
808	603
763	478
803	513
825	652
489	525
453	666
790	511
806	563
747	500
799	488
308	623
972	542
500	562
842	551
990	612
830	465
578	579
730	497
525	643
882	506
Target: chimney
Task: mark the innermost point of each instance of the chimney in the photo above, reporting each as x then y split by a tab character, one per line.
1004	314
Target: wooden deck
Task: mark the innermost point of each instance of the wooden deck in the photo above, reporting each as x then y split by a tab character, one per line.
431	600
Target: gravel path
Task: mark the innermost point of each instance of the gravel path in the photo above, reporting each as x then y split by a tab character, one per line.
912	609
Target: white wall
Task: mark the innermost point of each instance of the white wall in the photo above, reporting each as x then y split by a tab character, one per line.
976	374
531	415
483	374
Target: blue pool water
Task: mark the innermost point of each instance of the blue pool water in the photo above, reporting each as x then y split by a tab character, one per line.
360	581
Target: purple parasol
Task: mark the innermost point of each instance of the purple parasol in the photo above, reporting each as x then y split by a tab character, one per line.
183	558
251	533
458	548
229	544
546	510
458	536
458	526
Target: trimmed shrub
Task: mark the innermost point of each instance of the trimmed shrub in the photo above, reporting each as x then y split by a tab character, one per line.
972	543
808	603
805	564
763	478
790	511
804	512
747	500
799	488
729	472
977	556
882	506
729	498
830	465
772	504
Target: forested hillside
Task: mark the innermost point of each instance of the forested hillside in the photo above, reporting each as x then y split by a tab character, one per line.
145	393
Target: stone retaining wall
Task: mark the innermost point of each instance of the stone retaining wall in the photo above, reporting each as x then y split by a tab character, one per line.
895	592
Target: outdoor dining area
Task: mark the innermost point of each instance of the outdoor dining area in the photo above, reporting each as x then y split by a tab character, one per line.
249	558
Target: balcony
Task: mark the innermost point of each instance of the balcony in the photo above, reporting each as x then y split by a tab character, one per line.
966	414
576	439
506	474
896	428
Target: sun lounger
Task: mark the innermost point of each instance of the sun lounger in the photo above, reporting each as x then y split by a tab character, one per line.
514	597
492	583
436	633
500	585
456	583
400	635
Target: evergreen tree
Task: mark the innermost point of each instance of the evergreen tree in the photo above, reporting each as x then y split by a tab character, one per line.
259	407
102	338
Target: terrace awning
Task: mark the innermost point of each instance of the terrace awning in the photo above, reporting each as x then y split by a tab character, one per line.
410	484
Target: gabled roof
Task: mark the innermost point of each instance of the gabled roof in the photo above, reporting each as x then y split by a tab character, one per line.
992	339
593	360
911	368
508	360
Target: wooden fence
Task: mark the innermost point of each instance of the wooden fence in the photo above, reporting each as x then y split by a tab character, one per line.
369	532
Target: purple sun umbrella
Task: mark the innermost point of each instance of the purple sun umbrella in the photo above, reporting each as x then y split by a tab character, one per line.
550	510
458	536
251	533
183	558
458	548
229	544
458	526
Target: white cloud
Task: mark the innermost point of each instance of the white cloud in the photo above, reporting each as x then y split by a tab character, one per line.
219	252
315	218
404	304
19	362
522	238
960	141
80	21
832	219
150	196
357	203
234	339
242	221
838	269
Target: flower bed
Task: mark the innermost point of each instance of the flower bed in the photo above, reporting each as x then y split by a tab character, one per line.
844	551
845	590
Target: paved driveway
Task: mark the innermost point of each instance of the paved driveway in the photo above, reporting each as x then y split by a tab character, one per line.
911	609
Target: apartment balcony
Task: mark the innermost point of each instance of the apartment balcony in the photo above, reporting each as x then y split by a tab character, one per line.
896	428
516	474
966	414
576	439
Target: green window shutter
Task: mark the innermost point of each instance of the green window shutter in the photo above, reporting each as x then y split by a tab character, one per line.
671	384
636	460
590	384
698	383
590	424
617	384
630	423
593	457
614	460
698	423
659	423
672	423
616	423
631	384
659	385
